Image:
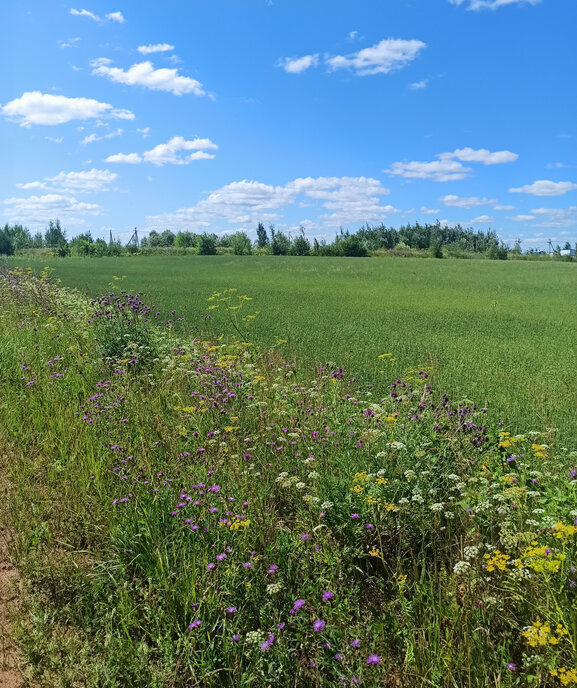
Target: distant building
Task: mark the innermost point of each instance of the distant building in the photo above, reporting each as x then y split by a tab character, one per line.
567	252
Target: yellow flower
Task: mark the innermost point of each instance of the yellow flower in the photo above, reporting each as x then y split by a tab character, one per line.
374	552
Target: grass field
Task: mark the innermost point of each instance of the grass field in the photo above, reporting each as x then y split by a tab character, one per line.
499	333
195	512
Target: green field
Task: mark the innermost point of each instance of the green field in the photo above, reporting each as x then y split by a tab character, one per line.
499	333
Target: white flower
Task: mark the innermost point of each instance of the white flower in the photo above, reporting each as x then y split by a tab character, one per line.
326	505
437	507
471	552
461	568
300	486
396	445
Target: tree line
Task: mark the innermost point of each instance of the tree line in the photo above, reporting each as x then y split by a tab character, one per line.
436	239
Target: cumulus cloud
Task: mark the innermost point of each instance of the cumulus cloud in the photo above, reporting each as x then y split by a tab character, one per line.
348	199
70	43
556	217
483	218
144	74
419	85
111	16
448	166
491	4
90	181
170	153
544	187
116	17
429	211
91	138
155	48
470	202
295	65
384	57
34	107
485	156
42	208
523	218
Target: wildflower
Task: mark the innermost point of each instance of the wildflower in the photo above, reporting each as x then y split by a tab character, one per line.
354	516
231	610
265	646
374	660
299	604
210	566
220	557
319	625
327	595
305	536
247	565
356	642
272	568
511	666
235	637
195	624
280	626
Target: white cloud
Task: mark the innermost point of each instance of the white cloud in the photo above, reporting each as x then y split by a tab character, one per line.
116	17
429	211
503	207
556	217
446	168
443	170
90	181
543	187
91	138
128	158
70	43
54	139
42	208
145	132
352	35
295	65
144	74
348	199
460	202
483	218
485	156
491	4
85	13
384	57
156	48
34	107
523	218
419	85
111	16
169	153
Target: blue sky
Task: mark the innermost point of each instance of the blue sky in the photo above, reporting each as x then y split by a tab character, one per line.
210	115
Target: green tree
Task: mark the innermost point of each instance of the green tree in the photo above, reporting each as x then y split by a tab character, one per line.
207	244
55	236
6	247
261	236
241	244
280	244
301	246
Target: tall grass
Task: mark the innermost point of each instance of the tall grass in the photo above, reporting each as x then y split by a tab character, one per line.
212	515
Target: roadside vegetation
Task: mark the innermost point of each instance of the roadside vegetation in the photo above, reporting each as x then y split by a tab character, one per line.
200	511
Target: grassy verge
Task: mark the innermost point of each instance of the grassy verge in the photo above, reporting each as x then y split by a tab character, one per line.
202	513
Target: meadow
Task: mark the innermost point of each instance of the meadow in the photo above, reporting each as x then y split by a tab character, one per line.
189	507
501	333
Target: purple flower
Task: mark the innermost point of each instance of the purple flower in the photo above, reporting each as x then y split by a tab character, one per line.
511	666
231	610
354	516
375	660
319	625
214	488
195	624
338	656
356	642
369	526
247	565
272	568
221	557
280	626
210	566
299	604
235	637
327	595
265	647
305	536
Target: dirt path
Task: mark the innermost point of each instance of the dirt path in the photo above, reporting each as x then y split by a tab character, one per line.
10	676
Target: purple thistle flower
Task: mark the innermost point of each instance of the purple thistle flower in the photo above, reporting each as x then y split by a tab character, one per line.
195	624
299	604
210	566
235	637
319	625
374	660
220	557
265	646
511	666
280	626
356	642
327	595
247	565
231	610
272	568
354	516
305	536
